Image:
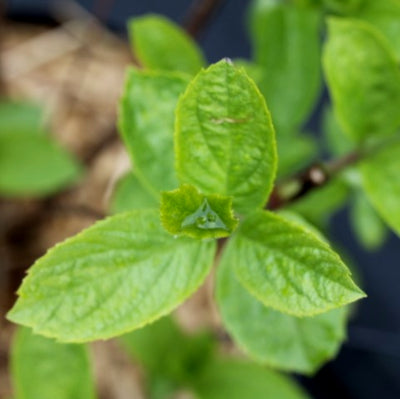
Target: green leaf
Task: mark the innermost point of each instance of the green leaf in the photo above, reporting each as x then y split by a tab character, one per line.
318	205
286	44
367	224
129	194
289	269
166	352
113	277
20	117
363	78
159	43
385	16
337	141
44	369
294	152
33	165
224	139
235	379
381	181
185	211
302	222
146	122
277	339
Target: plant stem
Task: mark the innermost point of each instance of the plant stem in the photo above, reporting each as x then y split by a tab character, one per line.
199	14
314	176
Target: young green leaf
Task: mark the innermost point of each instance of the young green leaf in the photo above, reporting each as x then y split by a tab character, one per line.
381	181
288	268
277	339
159	43
185	211
236	379
385	16
20	117
363	78
114	277
286	44
367	224
225	141
44	369
146	122
130	194
33	165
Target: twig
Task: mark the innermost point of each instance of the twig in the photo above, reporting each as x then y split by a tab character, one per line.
199	14
337	165
315	176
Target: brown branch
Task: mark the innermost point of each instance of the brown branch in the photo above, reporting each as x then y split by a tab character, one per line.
315	176
199	14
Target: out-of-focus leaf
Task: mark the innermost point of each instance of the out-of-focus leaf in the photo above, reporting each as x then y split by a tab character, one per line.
20	117
159	43
294	152
367	224
235	379
168	354
286	44
385	16
337	141
33	165
363	78
381	181
146	122
44	369
268	336
342	7
130	194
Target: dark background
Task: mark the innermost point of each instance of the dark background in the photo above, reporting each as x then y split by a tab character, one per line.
368	365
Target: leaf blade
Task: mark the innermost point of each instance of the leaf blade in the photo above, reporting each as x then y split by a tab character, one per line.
235	379
114	277
63	370
366	103
290	269
286	44
380	180
274	338
34	165
130	194
224	138
161	44
146	123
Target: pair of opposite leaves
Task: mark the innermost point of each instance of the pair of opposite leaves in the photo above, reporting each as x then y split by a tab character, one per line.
127	271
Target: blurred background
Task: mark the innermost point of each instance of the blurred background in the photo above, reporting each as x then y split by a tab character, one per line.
70	57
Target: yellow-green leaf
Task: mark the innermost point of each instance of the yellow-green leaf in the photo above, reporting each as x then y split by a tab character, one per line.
113	277
225	141
288	268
